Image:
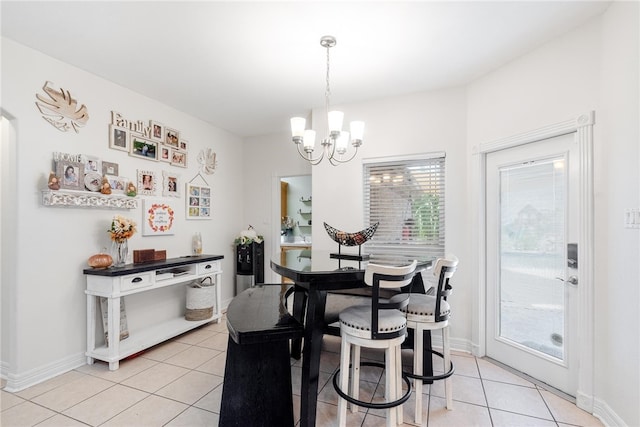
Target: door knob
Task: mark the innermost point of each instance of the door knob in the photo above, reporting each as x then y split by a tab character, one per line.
572	280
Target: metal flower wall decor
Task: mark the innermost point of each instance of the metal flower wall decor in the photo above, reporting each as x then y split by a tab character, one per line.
61	110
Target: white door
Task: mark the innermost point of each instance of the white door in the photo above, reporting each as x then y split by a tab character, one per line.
532	232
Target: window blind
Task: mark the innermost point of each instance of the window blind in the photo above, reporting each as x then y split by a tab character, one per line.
406	196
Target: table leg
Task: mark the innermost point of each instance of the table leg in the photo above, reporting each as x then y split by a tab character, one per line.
313	332
299	303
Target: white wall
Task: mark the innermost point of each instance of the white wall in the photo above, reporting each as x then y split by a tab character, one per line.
594	67
53	244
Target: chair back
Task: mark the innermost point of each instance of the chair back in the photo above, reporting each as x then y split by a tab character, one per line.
443	270
385	276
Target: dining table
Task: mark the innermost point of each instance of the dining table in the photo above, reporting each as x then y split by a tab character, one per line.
314	273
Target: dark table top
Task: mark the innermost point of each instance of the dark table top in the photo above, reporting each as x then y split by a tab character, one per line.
152	265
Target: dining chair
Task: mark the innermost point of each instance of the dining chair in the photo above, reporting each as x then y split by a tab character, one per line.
379	324
428	313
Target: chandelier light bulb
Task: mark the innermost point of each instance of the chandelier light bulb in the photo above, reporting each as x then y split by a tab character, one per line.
335	119
309	140
342	142
297	128
357	131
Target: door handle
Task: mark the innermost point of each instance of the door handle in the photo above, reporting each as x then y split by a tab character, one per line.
572	280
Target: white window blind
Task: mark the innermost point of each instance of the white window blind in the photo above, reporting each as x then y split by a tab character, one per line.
406	196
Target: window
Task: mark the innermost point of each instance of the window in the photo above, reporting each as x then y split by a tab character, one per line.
406	196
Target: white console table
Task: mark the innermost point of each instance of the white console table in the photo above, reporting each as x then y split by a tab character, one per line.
116	283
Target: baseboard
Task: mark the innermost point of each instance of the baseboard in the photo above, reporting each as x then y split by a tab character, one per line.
30	378
607	415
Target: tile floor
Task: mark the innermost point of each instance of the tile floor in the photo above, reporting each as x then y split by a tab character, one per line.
179	383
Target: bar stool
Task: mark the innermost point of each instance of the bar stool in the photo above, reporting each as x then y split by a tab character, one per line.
379	324
428	313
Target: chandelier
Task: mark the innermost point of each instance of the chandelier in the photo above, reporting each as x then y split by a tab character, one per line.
336	143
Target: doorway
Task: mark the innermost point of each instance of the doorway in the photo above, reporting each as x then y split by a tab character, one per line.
532	234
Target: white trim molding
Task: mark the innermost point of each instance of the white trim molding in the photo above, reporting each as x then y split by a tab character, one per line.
582	126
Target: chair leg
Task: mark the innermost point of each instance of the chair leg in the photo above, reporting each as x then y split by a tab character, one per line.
418	337
355	377
390	381
344	381
398	375
446	347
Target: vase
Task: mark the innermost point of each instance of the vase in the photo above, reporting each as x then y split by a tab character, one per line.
120	251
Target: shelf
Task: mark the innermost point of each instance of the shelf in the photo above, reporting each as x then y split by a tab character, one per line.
303	200
301	212
87	199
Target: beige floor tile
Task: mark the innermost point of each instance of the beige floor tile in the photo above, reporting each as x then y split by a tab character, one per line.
151	412
195	417
156	377
493	372
465	389
220	327
50	384
165	350
567	412
127	369
465	365
7	400
190	387
509	419
192	357
105	405
515	398
72	393
60	420
327	416
24	414
195	336
464	414
218	342
329	362
211	401
215	365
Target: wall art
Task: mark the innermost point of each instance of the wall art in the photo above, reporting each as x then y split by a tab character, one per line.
144	148
198	201
158	218
172	137
170	184
165	153
91	164
109	168
179	158
118	183
157	131
71	175
118	138
146	182
61	110
207	161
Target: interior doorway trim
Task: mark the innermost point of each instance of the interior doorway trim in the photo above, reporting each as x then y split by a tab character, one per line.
582	126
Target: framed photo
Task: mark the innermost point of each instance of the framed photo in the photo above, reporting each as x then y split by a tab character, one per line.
172	137
198	201
91	164
146	182
179	158
184	145
71	175
170	184
144	148
118	138
118	183
158	217
157	131
165	153
93	181
109	168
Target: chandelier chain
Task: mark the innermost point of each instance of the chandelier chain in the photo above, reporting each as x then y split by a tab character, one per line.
327	93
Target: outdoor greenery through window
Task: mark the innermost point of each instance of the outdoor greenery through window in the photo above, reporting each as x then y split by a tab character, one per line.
406	196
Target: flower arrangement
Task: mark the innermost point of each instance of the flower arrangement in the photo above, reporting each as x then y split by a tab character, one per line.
248	236
121	229
287	225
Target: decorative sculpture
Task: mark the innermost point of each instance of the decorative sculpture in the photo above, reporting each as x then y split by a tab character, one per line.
60	109
350	239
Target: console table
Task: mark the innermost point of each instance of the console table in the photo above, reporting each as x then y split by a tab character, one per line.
115	283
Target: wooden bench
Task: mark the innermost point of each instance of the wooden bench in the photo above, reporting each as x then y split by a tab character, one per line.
257	378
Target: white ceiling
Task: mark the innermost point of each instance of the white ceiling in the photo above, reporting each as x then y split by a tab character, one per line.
247	67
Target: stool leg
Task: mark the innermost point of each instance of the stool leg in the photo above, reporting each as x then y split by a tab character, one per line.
390	388
355	377
398	375
418	337
448	391
344	381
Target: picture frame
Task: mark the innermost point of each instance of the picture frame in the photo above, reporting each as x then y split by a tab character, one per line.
71	175
109	168
119	138
198	201
146	182
91	164
170	184
92	181
118	183
158	218
143	148
157	131
165	153
172	137
184	145
178	158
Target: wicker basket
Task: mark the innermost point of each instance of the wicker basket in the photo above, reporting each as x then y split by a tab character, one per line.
201	299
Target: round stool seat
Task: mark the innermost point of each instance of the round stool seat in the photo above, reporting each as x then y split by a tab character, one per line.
422	307
356	321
